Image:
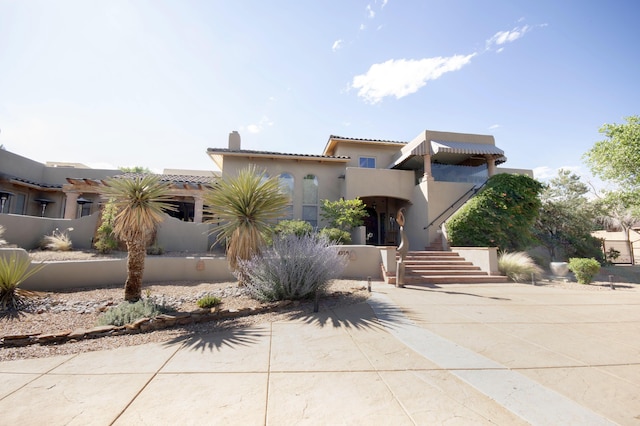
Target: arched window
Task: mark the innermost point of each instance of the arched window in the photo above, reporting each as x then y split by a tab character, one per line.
310	200
287	183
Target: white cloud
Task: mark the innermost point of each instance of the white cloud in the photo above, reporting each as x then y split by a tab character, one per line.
403	77
362	27
337	45
384	3
503	37
260	126
494	126
370	13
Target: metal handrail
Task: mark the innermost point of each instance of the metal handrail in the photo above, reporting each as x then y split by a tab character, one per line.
474	190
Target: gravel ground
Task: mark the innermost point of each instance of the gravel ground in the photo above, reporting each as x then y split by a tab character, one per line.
80	309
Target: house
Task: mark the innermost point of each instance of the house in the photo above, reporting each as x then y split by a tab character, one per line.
430	176
72	190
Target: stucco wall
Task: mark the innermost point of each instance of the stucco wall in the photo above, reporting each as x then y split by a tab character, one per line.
382	153
486	258
362	182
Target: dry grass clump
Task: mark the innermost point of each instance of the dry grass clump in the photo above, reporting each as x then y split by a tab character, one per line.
518	266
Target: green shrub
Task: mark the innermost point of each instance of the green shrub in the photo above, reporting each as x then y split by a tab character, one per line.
208	301
14	270
155	250
57	241
299	228
127	312
106	240
584	269
293	268
518	266
336	236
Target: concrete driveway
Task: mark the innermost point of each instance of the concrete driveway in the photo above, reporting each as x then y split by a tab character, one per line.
504	354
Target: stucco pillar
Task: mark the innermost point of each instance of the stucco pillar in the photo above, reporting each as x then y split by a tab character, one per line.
198	204
491	166
71	205
427	167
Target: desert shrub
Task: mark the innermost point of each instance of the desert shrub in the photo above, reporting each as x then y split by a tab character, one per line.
295	227
14	270
518	266
106	240
128	312
208	301
584	269
57	241
336	236
155	250
293	268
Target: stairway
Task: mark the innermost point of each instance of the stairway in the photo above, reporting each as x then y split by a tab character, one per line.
442	267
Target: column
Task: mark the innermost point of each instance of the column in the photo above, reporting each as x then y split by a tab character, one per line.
198	205
71	205
427	167
491	166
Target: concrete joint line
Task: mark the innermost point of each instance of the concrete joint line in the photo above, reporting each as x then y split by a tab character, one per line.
524	397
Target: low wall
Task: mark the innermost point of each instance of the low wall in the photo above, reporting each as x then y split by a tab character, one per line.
486	258
363	262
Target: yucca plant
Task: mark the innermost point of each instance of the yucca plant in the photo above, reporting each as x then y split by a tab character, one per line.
518	266
246	206
14	270
140	202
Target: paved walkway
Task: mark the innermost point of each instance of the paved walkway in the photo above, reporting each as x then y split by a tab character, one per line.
502	354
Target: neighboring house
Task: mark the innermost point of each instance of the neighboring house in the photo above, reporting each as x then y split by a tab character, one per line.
429	176
617	240
71	190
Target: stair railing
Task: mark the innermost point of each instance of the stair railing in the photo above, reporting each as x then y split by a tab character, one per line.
473	191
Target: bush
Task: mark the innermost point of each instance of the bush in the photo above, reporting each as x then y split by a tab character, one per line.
127	312
57	241
155	250
336	236
584	269
106	240
518	266
208	301
299	228
293	268
14	270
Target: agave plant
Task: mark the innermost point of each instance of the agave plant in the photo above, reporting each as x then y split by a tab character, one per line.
14	270
246	207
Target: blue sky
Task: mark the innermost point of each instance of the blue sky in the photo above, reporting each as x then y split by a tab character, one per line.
156	83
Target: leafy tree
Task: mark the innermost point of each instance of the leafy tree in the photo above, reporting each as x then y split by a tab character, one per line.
140	203
618	212
344	214
566	218
617	158
500	215
136	169
105	238
245	205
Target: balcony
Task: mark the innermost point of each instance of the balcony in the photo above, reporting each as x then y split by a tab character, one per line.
362	182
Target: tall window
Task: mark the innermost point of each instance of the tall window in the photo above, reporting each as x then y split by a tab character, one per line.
286	183
368	162
310	200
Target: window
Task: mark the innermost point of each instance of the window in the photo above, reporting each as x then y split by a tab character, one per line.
310	200
368	162
287	182
18	204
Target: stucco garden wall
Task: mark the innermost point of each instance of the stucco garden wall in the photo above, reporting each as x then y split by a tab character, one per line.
486	258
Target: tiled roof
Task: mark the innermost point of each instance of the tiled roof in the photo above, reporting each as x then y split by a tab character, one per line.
366	140
41	185
286	154
173	178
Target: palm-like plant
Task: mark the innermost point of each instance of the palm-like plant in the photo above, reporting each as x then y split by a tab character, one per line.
14	270
245	206
140	202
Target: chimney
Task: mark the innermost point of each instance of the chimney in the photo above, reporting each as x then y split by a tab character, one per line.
234	141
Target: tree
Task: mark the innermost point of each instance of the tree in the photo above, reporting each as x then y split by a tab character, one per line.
136	169
566	218
246	206
140	203
500	215
619	213
344	214
617	158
